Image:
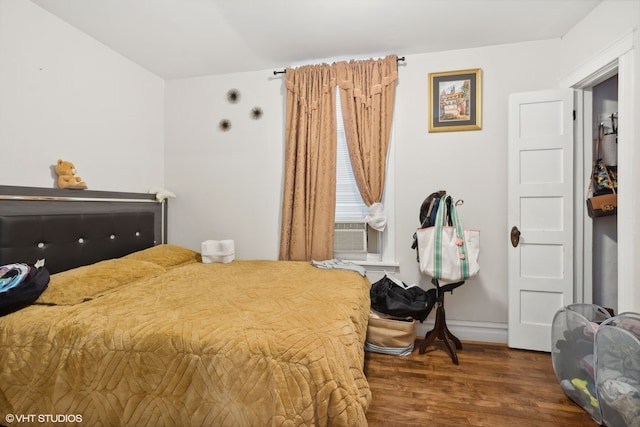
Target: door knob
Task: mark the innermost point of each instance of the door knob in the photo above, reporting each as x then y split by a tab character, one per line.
515	236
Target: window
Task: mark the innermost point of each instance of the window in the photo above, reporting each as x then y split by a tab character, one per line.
353	238
349	203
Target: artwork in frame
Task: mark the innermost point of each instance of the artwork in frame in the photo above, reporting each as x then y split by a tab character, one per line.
455	100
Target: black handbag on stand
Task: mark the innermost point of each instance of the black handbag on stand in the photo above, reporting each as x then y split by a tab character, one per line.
395	298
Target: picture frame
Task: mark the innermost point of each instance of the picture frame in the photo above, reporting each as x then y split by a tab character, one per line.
455	100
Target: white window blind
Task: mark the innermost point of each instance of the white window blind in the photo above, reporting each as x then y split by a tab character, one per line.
349	203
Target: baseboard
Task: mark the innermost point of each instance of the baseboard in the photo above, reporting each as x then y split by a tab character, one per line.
493	332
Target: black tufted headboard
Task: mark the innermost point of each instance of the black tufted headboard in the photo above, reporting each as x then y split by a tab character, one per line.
73	228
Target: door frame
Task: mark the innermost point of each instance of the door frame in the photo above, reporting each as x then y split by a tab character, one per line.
617	58
582	230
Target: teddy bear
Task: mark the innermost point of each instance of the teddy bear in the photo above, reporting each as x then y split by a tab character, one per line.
66	176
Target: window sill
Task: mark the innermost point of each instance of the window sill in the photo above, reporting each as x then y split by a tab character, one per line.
387	266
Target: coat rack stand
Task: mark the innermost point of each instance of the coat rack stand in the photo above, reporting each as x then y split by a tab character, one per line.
440	329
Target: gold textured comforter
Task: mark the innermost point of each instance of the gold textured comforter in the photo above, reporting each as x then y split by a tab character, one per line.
158	338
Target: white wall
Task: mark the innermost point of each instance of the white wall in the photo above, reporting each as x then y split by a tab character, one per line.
605	229
608	22
605	30
470	165
229	183
65	95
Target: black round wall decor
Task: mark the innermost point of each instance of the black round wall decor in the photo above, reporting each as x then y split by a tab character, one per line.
256	113
233	96
224	125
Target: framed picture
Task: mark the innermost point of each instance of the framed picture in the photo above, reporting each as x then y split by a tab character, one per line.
455	100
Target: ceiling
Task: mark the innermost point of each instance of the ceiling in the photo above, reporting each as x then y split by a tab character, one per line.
187	38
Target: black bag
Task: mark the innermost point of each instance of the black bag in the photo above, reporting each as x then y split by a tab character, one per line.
602	197
428	212
392	298
28	289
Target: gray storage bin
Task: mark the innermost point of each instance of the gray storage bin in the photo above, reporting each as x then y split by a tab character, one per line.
618	370
573	353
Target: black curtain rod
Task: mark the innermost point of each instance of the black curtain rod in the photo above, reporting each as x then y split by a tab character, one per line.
275	73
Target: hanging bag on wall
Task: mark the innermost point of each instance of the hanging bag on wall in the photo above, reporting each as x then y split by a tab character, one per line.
448	252
602	198
602	205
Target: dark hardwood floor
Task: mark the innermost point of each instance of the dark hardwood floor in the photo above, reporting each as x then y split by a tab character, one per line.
493	386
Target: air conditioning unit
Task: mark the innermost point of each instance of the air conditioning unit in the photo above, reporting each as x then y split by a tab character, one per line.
350	240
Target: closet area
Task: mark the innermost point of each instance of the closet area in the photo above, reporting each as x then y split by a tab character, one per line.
605	229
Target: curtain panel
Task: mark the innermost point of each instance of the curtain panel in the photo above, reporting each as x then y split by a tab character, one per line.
308	210
367	91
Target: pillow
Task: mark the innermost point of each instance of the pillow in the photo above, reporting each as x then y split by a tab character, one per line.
167	256
91	281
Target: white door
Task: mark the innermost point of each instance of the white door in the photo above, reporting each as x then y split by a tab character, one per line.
540	214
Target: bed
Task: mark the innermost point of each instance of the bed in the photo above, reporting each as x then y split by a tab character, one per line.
156	337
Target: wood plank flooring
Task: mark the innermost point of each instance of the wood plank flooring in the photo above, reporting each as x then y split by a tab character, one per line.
493	386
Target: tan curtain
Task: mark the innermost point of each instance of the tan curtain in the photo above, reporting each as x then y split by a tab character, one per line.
367	90
308	210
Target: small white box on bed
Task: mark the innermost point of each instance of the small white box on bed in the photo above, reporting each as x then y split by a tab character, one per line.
218	251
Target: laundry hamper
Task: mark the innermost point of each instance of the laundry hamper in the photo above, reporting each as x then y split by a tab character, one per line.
390	335
618	370
573	353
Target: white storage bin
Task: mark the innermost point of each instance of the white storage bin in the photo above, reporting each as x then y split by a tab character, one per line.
573	353
618	370
218	251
